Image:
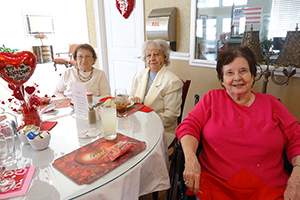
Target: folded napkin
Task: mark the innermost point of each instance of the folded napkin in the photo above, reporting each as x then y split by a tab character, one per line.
59	103
63	103
242	186
144	108
3	117
47	126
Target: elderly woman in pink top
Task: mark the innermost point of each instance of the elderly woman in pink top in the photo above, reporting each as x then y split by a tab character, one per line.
241	131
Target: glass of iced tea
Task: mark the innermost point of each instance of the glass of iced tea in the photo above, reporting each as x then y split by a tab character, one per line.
121	102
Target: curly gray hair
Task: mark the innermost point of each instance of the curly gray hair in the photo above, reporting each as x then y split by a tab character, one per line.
157	44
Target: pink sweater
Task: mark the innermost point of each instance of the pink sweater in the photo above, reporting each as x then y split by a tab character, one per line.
237	137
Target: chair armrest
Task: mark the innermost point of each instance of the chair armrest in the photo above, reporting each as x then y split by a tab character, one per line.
58	54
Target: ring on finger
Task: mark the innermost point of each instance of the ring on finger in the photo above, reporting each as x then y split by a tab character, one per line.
186	182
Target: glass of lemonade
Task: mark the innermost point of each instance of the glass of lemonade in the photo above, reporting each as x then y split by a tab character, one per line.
109	121
121	102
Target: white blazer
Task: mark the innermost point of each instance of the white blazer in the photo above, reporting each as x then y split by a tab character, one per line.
164	95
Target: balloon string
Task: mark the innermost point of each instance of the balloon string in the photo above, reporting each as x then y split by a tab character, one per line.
23	94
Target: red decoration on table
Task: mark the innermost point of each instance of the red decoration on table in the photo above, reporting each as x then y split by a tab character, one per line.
85	169
125	7
17	68
22	177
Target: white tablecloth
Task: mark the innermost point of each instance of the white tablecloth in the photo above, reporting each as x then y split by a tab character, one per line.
144	173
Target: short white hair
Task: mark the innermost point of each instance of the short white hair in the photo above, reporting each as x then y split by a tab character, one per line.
157	44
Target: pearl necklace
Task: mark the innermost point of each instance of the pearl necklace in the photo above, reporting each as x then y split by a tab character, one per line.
82	78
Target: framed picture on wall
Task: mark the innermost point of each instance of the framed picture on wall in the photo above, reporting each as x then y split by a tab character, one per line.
35	23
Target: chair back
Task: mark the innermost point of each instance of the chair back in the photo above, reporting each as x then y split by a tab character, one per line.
185	89
71	49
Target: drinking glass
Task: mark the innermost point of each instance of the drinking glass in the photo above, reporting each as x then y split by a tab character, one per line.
109	121
7	131
121	102
5	183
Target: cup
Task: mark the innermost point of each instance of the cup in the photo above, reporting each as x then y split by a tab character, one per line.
121	102
109	121
89	96
9	134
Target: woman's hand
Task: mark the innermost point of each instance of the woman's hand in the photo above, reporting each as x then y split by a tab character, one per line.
191	174
292	191
136	99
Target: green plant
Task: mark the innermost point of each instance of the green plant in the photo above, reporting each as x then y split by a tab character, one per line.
265	44
9	50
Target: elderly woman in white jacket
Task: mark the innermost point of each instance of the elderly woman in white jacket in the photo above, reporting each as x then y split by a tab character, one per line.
157	87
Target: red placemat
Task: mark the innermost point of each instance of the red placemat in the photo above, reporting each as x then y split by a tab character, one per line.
3	117
22	177
144	108
134	109
47	126
88	163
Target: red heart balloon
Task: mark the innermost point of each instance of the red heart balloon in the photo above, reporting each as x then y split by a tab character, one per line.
125	7
17	68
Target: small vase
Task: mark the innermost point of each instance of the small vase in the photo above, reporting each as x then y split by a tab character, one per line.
32	117
42	42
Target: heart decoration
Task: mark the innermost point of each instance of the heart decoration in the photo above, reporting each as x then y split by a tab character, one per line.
125	7
17	68
95	156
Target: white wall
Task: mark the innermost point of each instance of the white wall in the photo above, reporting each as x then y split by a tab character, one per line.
70	23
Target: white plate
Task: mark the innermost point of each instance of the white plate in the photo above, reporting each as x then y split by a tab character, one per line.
131	103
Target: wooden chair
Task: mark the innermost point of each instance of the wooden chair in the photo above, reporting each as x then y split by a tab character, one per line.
67	61
185	89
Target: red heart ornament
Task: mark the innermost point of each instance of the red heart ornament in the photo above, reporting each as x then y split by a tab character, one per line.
125	7
17	68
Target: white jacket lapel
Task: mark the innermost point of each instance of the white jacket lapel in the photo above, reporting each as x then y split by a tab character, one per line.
141	89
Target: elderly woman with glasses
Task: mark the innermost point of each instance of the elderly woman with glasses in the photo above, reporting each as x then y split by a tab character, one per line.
157	87
94	79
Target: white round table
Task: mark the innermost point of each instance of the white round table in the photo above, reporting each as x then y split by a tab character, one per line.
142	174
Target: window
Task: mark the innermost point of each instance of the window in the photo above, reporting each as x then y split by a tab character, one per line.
226	22
284	16
208	3
236	2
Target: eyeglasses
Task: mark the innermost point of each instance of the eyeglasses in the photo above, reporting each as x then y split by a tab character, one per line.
84	57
